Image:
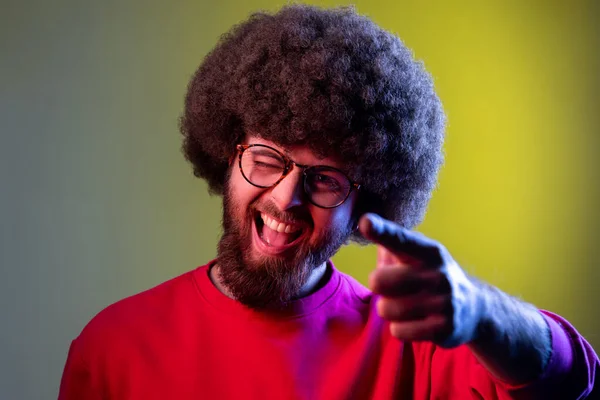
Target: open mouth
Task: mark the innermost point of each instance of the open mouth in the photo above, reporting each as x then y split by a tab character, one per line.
275	236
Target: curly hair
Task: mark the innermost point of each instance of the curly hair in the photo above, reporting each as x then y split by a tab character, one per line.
330	79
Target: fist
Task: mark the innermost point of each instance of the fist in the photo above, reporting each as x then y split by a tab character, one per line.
425	295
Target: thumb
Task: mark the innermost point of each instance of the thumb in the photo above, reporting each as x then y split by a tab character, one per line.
384	257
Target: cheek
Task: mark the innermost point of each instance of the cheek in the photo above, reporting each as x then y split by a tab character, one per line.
340	220
328	220
242	192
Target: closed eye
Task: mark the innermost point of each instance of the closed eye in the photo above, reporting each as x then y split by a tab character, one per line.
261	164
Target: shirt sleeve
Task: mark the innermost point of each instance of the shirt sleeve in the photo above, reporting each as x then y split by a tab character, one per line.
76	382
573	371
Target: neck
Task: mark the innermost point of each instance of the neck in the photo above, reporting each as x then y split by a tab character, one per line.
315	281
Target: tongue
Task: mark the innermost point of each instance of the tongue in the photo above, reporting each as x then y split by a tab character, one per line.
275	238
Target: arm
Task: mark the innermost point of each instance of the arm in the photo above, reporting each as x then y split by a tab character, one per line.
76	382
513	340
426	296
572	370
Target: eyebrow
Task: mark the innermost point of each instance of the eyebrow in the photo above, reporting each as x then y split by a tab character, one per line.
286	152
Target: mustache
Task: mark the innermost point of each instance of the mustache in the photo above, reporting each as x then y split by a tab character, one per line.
297	215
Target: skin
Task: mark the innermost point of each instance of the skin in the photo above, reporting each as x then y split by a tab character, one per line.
286	196
424	293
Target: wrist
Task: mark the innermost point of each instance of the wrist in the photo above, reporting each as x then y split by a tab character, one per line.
512	339
486	329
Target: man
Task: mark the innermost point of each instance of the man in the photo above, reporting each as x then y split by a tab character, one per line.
317	127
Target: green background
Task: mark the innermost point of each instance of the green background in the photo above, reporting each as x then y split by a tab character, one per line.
97	202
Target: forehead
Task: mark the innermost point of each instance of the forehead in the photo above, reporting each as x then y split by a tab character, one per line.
301	154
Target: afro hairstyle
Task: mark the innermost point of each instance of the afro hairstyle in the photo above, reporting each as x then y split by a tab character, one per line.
329	79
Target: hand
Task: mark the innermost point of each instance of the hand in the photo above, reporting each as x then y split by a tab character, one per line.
425	293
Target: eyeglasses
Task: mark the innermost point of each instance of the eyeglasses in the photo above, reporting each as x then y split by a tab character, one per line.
264	167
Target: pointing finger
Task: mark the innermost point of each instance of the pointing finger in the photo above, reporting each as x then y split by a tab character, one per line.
399	241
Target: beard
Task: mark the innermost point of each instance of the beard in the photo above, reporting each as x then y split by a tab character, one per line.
266	282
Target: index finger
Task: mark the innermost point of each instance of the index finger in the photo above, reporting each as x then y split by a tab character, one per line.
400	241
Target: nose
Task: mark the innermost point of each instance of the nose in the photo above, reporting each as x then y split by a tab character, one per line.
289	192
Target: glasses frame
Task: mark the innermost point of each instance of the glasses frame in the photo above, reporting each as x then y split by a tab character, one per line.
289	166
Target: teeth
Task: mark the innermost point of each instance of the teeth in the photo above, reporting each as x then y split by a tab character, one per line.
273	224
276	225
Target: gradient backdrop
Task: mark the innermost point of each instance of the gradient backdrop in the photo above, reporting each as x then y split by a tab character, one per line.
97	202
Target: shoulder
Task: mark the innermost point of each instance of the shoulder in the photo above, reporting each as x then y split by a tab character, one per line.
356	289
132	318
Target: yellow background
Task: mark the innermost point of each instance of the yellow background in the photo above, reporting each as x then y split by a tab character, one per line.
97	203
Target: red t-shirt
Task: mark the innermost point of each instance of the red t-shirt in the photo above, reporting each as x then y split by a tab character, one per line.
185	340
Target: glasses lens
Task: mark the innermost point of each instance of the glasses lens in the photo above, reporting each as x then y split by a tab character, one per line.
262	166
327	187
